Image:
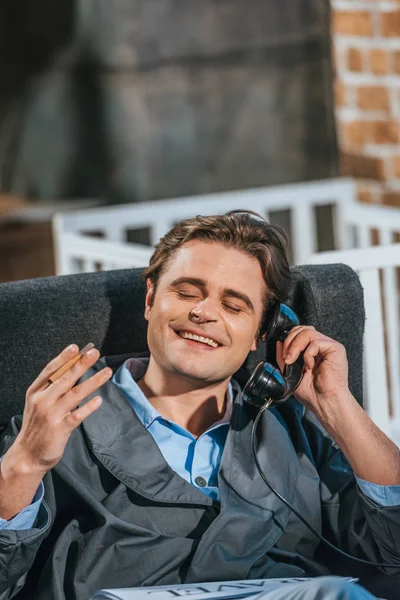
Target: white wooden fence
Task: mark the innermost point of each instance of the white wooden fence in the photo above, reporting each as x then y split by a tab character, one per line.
76	253
377	268
113	223
354	225
361	223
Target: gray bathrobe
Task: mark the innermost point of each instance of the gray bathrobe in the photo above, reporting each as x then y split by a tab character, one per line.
115	514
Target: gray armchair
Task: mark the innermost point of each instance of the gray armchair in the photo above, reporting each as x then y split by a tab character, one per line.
40	317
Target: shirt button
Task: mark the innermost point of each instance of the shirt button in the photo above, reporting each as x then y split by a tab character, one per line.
201	482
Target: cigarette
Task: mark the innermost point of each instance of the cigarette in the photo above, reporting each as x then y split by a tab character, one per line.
57	374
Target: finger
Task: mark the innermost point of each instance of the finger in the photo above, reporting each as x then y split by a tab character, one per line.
42	379
320	345
64	384
279	355
313	349
70	363
298	343
81	391
76	417
293	333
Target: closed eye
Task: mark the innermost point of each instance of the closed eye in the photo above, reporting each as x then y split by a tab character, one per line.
235	309
185	295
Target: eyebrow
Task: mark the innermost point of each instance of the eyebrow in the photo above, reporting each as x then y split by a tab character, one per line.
200	283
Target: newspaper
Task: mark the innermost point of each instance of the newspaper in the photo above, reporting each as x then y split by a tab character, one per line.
218	590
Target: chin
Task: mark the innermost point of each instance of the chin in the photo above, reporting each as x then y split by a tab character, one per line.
200	375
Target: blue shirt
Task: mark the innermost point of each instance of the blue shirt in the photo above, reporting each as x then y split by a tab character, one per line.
196	460
191	458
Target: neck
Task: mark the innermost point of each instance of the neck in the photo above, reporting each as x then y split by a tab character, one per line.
188	403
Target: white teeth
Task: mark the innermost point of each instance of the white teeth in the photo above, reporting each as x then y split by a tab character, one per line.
198	338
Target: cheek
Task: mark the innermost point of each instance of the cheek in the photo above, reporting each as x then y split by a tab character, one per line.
167	308
244	330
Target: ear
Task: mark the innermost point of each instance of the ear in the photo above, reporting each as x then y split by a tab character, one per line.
254	345
149	299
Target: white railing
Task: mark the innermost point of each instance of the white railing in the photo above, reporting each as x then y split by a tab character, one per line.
362	223
354	225
377	269
299	200
76	253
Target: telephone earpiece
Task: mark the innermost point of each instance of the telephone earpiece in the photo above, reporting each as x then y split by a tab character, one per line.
267	382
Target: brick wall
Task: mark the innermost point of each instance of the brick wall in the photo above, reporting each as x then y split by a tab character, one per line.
366	38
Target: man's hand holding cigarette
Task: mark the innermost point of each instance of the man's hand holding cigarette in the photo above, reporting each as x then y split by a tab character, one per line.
51	414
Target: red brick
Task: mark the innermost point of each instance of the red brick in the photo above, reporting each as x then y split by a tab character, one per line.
397	166
396	61
354	135
361	166
379	61
390	23
354	60
352	23
365	195
392	198
373	97
383	132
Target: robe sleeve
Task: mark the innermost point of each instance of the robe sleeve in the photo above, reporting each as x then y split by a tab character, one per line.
350	519
18	548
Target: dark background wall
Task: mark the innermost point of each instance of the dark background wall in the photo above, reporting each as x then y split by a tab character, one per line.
143	99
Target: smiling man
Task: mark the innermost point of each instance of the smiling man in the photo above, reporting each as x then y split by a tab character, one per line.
193	350
153	482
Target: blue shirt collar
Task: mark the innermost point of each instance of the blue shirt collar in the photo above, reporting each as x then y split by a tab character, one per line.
132	370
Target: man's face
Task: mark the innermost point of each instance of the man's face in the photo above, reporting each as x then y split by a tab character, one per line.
224	289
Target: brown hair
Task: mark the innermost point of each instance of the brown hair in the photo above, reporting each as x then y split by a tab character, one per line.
241	229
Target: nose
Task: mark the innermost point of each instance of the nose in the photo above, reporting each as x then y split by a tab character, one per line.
205	311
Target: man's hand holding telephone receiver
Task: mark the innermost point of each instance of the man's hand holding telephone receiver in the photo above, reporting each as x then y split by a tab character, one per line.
315	372
324	390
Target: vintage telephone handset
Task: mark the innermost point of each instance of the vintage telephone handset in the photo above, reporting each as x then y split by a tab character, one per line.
267	383
268	386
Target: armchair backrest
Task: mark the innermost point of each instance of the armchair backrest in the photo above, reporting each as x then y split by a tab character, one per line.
38	318
377	268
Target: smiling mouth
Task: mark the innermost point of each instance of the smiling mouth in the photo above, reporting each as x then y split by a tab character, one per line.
187	335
